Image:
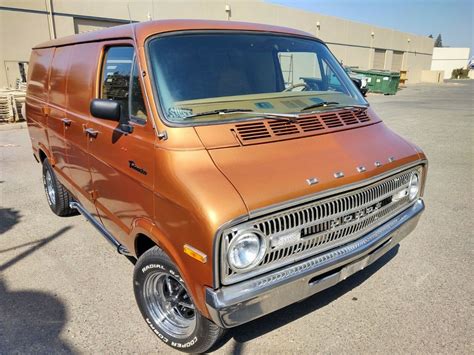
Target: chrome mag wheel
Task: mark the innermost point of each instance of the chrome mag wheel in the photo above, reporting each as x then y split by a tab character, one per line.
168	302
49	187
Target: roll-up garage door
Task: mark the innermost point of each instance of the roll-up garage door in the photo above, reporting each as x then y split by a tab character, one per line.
379	59
397	61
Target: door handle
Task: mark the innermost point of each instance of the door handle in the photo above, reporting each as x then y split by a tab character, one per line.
67	122
91	132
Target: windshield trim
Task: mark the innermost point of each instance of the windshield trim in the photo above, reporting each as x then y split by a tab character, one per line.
153	82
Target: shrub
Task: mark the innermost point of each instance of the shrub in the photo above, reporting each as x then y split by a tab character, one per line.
460	73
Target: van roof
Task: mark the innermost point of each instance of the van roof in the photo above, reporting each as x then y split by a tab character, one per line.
148	28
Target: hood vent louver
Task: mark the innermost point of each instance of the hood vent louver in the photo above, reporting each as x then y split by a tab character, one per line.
254	132
281	128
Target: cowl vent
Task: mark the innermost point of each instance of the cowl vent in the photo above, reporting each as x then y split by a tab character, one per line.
263	131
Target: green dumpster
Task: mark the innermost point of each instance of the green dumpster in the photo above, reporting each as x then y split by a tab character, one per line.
381	81
393	83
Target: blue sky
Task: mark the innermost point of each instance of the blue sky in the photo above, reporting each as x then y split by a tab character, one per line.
452	18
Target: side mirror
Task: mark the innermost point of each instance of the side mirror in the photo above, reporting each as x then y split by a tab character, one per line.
357	82
106	109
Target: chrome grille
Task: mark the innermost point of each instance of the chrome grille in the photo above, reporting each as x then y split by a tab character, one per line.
321	225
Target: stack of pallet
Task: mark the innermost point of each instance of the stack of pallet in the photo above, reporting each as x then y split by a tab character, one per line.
10	105
21	86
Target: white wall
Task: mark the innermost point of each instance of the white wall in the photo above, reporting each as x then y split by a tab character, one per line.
352	42
448	59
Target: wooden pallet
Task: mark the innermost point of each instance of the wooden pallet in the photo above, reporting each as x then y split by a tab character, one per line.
10	105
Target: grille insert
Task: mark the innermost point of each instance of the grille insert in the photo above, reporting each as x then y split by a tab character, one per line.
322	225
253	132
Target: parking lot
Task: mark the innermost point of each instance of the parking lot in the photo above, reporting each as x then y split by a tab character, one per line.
64	289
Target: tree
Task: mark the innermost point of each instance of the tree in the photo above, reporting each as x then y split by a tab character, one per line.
439	41
430	36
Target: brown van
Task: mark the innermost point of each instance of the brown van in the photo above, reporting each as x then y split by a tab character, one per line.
237	165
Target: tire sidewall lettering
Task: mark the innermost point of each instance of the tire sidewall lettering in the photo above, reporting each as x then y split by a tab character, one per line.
163	268
185	345
156	331
153	266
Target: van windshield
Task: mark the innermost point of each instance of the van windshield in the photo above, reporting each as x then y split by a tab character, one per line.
202	78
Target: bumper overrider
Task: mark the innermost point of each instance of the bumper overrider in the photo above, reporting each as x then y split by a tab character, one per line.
233	305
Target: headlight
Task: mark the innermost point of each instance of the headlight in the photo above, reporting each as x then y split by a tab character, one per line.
246	250
414	186
363	83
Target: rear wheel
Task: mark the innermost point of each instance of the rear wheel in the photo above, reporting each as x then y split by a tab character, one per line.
57	195
167	306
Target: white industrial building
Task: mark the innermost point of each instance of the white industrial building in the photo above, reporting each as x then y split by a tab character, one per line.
447	59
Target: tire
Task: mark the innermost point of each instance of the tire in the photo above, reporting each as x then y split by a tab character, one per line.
180	327
56	194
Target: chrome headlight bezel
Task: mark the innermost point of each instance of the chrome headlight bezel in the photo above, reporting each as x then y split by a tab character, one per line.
238	238
414	185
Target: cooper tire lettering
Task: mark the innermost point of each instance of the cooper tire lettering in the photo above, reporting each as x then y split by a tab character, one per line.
185	345
161	336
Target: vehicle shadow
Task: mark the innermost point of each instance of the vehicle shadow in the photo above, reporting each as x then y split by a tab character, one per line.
31	321
8	218
34	247
268	323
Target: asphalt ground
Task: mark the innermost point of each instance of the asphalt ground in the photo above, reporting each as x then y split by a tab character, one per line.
63	289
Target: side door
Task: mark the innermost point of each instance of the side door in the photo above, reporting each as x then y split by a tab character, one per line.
82	75
122	163
57	121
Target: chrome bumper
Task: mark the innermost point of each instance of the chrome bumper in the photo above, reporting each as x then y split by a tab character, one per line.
233	305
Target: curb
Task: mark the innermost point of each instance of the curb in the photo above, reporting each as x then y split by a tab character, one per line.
12	126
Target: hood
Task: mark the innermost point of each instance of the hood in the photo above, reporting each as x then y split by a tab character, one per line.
357	76
271	173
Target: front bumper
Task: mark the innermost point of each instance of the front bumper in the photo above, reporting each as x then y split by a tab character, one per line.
233	305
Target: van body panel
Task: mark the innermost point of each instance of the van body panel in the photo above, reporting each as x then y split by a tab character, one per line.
192	200
58	108
37	97
122	193
80	89
145	29
321	157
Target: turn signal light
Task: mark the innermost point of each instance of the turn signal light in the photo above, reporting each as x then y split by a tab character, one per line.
195	254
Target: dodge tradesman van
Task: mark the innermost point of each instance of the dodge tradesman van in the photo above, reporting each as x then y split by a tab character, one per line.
237	165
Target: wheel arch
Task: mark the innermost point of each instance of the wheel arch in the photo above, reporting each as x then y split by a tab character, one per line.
143	243
146	238
43	153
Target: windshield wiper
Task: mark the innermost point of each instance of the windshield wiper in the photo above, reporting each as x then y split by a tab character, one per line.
360	108
320	104
229	111
223	111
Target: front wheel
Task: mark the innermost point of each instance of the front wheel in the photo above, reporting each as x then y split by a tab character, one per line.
167	306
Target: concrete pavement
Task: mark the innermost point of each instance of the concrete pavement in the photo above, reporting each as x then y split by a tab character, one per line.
63	289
